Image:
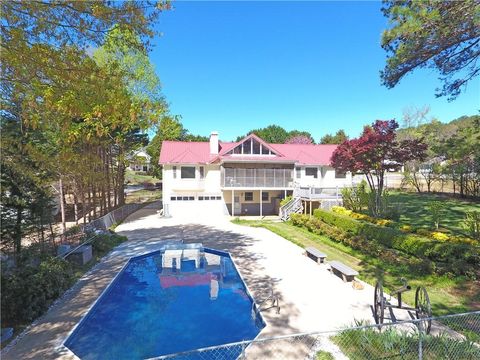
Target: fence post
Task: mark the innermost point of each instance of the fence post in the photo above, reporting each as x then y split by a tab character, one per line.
420	343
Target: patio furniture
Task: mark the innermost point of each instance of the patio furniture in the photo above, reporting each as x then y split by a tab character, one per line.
347	273
315	254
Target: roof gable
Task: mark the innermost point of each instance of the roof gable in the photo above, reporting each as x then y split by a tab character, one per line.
251	145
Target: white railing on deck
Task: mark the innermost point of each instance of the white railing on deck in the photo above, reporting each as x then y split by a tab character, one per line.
314	193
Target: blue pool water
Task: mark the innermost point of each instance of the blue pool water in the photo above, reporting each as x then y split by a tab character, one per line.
157	306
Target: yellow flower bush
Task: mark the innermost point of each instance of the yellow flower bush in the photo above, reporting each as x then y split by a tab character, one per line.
341	210
439	236
383	222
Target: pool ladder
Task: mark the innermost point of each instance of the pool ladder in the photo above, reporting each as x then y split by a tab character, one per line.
274	304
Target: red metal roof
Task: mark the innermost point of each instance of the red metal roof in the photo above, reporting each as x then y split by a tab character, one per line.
183	152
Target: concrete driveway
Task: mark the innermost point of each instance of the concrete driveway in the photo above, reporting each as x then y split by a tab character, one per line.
311	299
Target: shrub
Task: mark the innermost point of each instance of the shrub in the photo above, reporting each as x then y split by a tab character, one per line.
343	211
439	236
406	228
436	209
28	291
471	223
357	197
105	242
286	200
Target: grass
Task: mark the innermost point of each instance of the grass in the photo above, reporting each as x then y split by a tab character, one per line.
136	179
142	196
447	295
413	208
324	355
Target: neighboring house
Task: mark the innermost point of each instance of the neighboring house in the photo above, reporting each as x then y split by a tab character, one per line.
248	177
139	161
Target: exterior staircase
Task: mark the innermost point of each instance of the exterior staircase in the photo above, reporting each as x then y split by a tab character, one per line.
292	207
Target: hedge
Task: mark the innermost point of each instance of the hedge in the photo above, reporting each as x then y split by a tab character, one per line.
360	242
460	258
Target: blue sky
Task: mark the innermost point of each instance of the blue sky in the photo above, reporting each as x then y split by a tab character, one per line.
235	66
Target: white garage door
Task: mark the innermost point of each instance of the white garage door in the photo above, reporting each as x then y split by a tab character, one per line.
197	207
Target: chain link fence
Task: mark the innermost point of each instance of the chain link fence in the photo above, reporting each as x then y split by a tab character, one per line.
455	337
113	217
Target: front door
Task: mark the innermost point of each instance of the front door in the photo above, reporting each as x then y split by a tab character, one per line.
237	207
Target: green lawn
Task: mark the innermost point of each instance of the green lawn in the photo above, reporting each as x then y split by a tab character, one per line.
135	179
413	208
447	294
142	196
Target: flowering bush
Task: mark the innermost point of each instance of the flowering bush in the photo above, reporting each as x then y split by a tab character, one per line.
439	236
406	228
342	211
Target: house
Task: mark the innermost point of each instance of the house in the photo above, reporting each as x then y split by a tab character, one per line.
248	177
139	161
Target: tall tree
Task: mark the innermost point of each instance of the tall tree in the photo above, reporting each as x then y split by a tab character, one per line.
170	128
278	135
338	138
443	35
373	153
299	137
272	134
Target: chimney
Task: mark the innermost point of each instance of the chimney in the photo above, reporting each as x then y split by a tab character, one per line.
214	143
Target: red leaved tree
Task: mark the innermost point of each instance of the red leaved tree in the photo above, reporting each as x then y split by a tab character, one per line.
373	153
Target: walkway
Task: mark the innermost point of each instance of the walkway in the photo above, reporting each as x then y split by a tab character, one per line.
311	298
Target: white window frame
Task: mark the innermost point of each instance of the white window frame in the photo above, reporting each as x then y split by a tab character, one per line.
316	173
188	178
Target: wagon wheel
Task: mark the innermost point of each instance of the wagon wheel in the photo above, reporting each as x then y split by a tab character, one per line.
378	303
423	309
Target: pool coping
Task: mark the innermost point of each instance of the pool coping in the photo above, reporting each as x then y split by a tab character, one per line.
64	347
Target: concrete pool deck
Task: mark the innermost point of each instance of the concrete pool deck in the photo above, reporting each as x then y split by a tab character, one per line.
311	298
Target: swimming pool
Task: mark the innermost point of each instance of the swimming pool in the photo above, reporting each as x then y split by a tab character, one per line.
172	300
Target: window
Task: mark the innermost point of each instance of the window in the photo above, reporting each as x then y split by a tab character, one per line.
187	172
247	146
201	171
264	195
340	174
145	168
173	198
299	172
249	196
311	172
251	147
174	172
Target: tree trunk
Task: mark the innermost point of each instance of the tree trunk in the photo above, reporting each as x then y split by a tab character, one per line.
62	207
75	205
84	208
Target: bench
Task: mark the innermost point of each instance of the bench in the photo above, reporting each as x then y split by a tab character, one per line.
347	273
314	254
